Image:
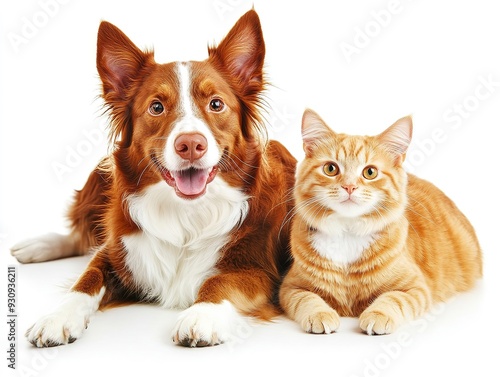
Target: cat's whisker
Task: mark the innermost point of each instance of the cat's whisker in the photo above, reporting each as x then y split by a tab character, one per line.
311	209
289	215
411	208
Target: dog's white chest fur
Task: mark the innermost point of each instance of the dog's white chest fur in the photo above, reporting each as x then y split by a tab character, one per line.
179	242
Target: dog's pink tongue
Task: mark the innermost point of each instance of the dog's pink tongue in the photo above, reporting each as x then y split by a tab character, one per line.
191	181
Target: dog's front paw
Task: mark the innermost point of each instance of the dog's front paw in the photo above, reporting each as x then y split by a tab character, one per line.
56	329
67	323
206	324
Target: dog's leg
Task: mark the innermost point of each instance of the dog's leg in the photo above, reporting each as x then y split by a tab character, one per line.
46	247
215	317
66	323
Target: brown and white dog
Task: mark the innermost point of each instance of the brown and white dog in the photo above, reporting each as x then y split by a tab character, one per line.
188	210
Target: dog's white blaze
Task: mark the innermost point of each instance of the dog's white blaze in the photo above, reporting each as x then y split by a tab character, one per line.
179	242
189	122
185	84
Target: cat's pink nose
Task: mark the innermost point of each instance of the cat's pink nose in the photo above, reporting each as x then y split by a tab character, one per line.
349	188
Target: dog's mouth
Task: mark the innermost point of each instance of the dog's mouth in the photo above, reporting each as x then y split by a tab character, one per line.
190	183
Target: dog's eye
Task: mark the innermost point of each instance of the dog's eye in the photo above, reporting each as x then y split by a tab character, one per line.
216	105
156	108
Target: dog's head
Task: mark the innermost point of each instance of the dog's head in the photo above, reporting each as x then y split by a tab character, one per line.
183	122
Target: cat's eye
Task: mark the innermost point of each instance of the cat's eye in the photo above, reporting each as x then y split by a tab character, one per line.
156	108
331	169
216	105
370	172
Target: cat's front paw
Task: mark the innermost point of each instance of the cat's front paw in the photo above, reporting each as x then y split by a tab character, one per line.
374	322
321	322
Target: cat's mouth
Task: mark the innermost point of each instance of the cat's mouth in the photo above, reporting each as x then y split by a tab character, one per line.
349	200
352	207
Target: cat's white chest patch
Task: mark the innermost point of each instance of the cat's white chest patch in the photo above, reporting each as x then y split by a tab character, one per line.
341	248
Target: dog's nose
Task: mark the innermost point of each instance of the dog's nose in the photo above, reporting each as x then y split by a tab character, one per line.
191	146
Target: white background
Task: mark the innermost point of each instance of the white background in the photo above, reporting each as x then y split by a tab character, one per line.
426	58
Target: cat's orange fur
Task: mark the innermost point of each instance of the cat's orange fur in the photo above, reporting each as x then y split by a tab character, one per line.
384	249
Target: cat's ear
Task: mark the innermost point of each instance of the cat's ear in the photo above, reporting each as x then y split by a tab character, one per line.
397	138
314	131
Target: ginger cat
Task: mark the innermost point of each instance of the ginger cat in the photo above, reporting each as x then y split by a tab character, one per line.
367	238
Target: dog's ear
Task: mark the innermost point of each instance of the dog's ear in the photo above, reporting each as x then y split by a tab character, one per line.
120	64
119	61
241	54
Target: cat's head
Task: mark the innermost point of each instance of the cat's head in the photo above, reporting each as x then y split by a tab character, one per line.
352	177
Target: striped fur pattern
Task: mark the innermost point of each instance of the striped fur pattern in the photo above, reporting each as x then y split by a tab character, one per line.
368	239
